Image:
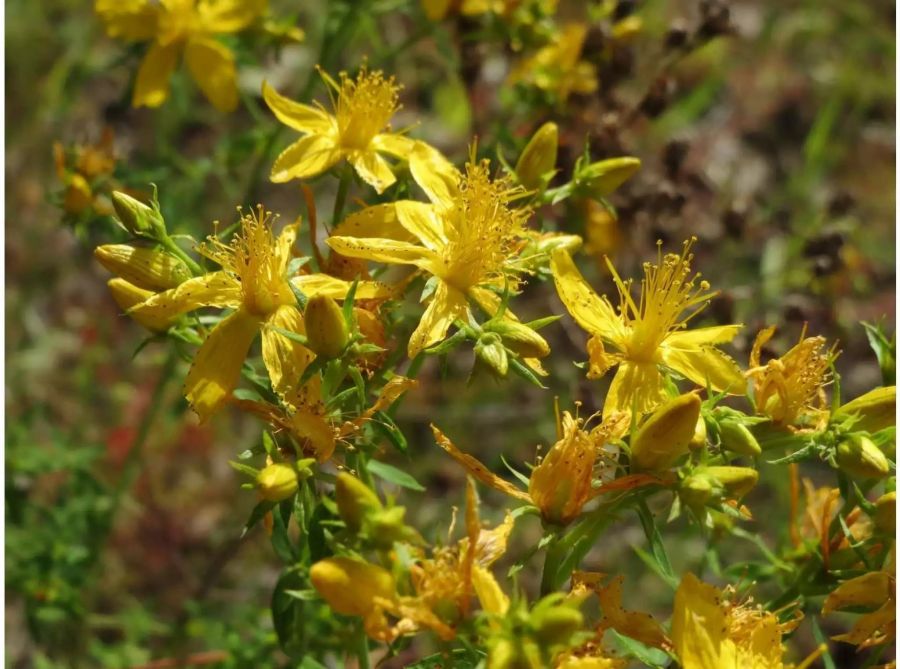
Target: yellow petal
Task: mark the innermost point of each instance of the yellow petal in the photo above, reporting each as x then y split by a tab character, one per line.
635	387
706	363
476	469
217	366
593	313
285	359
284	246
761	339
640	626
337	289
699	627
151	88
211	65
382	250
397	145
446	306
492	598
420	219
132	20
373	169
216	289
435	174
295	115
305	158
719	334
229	16
379	220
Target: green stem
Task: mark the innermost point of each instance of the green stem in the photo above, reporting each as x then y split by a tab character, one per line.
341	198
179	252
362	650
556	552
130	467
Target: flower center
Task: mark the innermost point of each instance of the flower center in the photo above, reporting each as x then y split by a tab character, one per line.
482	229
178	19
364	107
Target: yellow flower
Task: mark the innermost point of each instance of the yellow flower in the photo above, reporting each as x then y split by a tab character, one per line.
710	632
875	590
176	28
563	482
649	333
80	169
791	389
557	68
253	281
358	130
467	239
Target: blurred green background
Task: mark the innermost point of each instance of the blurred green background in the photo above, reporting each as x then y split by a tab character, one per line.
774	145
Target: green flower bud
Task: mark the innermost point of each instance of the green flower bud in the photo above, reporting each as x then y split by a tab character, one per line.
737	438
490	351
602	178
886	513
696	490
736	480
666	434
355	500
277	482
351	586
326	329
698	441
519	338
148	268
538	159
876	410
554	626
136	216
859	456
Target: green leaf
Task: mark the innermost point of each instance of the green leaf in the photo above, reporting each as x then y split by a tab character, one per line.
821	639
386	426
347	309
652	657
458	658
525	372
657	548
393	475
293	336
258	513
252	472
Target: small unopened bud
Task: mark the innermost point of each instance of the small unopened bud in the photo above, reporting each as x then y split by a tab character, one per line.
602	178
355	500
148	268
127	295
876	410
736	480
859	456
696	490
550	242
277	482
326	329
79	195
136	216
519	338
554	626
698	441
666	434
886	513
490	351
737	438
350	586
538	159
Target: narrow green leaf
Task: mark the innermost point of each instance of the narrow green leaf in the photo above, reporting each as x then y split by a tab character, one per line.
393	475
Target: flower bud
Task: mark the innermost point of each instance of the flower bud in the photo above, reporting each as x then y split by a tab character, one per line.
519	338
736	480
696	490
698	441
886	513
876	409
351	586
490	351
79	195
737	438
326	329
538	159
549	242
277	482
602	178
148	268
127	295
554	626
859	456
136	216
666	434
355	500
